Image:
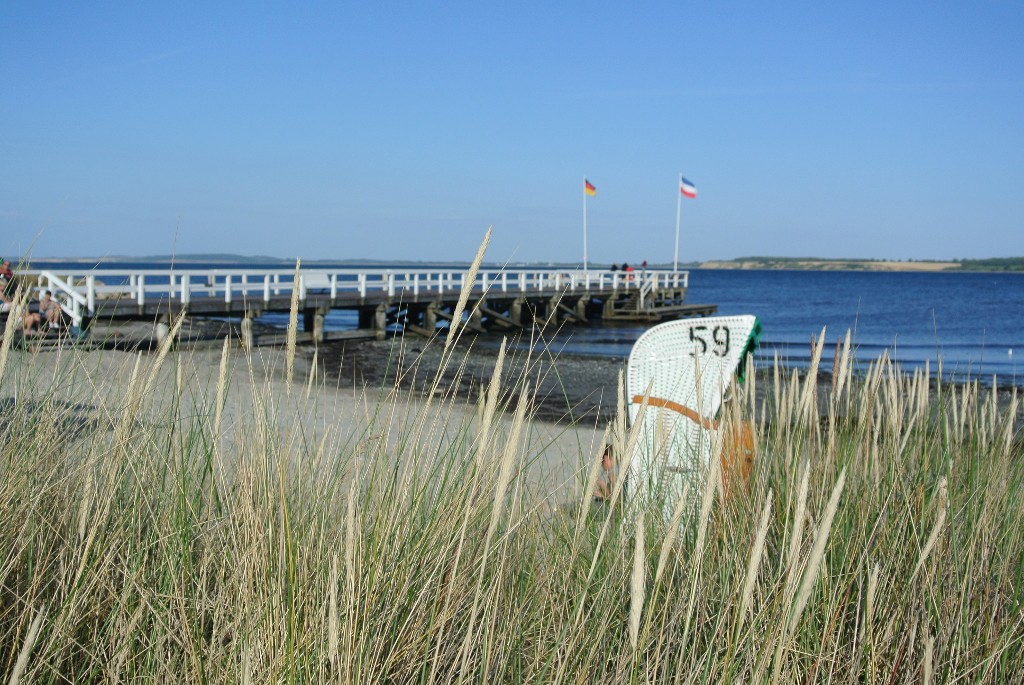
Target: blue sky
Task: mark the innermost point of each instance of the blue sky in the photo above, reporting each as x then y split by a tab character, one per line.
401	130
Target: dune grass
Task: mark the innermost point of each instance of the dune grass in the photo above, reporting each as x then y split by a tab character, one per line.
147	537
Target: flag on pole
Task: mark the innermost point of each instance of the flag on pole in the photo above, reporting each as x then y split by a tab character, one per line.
687	188
589	188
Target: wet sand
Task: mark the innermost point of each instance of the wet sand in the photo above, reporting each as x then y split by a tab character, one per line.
567	389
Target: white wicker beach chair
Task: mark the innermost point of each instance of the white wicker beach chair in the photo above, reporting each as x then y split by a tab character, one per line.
682	369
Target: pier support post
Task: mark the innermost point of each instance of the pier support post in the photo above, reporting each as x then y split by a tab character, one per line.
430	317
551	315
516	311
380	321
246	332
318	327
608	308
476	315
581	307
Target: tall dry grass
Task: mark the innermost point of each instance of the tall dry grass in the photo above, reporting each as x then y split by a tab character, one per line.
150	536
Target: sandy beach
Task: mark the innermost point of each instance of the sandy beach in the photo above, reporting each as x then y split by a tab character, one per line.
314	409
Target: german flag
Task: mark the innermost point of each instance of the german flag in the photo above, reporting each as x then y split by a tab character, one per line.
589	188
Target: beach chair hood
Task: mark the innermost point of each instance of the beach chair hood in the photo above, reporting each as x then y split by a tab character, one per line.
681	371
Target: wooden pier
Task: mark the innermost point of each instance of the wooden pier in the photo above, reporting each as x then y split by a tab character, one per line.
420	301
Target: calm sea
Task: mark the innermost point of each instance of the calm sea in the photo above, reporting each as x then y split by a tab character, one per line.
973	322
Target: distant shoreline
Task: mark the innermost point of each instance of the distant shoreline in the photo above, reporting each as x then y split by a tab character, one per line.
1000	265
832	265
997	264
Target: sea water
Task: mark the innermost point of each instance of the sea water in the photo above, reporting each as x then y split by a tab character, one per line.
972	322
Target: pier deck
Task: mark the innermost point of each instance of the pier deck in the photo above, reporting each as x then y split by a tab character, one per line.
416	300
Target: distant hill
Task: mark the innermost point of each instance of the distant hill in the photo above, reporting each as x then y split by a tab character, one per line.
228	258
195	257
203	257
242	260
993	264
820	264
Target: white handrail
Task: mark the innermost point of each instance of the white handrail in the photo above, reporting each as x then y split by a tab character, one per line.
84	287
78	301
646	288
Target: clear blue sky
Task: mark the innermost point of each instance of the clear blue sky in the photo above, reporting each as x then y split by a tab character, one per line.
386	130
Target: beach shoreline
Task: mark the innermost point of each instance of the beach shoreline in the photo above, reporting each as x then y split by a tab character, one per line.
579	391
568	389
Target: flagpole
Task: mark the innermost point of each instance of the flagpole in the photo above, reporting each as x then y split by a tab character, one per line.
584	225
679	205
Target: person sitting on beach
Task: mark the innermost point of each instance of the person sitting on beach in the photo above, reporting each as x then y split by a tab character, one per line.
8	286
49	310
10	281
606	480
30	323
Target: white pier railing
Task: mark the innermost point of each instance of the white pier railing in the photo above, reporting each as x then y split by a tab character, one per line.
79	291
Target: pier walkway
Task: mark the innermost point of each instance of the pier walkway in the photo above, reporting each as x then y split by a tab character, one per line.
415	300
